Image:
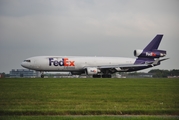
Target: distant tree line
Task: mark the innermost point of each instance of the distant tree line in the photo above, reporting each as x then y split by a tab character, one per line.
164	73
156	73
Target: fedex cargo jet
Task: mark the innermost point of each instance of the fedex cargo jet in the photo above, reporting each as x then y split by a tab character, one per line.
99	66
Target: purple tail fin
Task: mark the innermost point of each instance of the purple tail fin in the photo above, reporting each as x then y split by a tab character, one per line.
154	43
151	48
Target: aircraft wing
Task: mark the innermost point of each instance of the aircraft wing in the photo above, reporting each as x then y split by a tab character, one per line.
156	62
128	66
122	66
119	67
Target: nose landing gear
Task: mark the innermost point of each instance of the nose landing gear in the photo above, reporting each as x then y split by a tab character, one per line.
42	74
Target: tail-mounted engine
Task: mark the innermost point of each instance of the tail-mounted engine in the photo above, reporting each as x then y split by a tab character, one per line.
150	54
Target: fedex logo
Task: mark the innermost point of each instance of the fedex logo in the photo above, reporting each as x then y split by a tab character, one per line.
150	54
93	71
63	62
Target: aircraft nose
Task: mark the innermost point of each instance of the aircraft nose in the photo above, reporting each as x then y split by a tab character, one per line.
23	64
26	63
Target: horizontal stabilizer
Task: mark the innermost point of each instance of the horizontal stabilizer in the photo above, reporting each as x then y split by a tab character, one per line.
156	62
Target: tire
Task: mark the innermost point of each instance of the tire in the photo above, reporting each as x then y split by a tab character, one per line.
96	76
42	75
106	76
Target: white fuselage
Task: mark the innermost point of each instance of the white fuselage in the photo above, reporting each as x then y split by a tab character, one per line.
71	63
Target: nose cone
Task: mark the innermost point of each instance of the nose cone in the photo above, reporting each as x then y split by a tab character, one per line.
26	63
23	64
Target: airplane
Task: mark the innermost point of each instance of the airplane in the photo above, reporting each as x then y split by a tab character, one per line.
99	66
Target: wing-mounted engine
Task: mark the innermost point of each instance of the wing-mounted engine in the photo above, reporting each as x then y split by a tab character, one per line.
92	70
150	54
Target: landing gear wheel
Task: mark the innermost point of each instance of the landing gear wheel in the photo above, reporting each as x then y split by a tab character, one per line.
42	75
106	76
96	76
109	76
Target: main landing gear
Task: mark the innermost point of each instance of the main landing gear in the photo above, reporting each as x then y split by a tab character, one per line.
96	76
106	76
102	76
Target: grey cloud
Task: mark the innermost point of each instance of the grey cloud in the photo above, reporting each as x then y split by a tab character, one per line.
85	27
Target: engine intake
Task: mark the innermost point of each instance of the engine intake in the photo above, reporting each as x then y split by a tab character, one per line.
150	54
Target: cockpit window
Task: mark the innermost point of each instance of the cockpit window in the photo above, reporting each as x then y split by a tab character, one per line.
26	60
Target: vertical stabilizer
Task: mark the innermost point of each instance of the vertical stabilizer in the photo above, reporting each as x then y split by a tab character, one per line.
154	43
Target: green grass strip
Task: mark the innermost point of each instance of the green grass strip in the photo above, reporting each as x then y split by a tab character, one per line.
23	96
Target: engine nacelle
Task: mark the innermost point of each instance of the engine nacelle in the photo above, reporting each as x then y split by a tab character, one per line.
150	54
92	71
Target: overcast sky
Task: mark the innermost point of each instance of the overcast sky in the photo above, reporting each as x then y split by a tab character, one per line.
86	28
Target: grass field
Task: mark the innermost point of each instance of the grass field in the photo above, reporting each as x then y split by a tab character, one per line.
89	117
64	96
